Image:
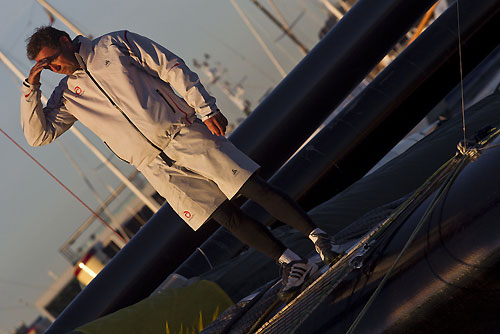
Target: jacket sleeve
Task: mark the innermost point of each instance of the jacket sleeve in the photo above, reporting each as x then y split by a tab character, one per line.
162	63
43	125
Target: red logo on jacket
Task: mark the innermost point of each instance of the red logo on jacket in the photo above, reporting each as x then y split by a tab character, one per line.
187	214
78	90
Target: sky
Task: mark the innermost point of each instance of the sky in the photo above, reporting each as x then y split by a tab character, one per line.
37	214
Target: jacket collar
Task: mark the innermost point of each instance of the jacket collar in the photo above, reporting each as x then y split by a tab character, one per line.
83	53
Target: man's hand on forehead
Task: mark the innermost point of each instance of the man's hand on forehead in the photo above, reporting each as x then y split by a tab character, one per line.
36	70
45	62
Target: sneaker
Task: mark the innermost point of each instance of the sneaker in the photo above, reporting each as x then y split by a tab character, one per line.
295	274
327	249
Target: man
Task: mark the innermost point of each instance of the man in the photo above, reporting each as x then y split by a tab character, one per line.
121	86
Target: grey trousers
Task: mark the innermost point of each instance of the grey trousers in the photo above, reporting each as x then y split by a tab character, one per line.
251	232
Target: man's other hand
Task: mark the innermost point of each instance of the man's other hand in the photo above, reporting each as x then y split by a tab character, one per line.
217	124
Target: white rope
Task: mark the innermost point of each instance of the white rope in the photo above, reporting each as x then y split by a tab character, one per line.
206	257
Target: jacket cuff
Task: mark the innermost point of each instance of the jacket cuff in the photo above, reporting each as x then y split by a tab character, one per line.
210	114
28	89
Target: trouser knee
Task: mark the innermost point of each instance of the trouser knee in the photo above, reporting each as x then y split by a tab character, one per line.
227	215
258	189
248	230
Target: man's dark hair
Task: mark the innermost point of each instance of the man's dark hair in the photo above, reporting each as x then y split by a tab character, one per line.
46	36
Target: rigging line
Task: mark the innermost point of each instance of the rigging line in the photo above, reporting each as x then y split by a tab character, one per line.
342	268
461	71
62	184
90	186
258	38
430	209
488	147
456	166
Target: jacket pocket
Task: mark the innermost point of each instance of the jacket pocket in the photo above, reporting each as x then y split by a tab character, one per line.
116	154
165	99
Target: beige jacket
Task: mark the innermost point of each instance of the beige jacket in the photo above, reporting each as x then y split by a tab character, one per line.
124	93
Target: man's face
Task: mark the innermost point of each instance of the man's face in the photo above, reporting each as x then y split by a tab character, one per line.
60	60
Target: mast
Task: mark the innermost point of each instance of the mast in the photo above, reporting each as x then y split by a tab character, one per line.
277	11
332	9
283	27
258	38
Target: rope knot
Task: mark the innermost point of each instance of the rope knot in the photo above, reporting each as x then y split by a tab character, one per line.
467	149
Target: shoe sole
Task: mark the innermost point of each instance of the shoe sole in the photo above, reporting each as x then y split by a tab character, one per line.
290	294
